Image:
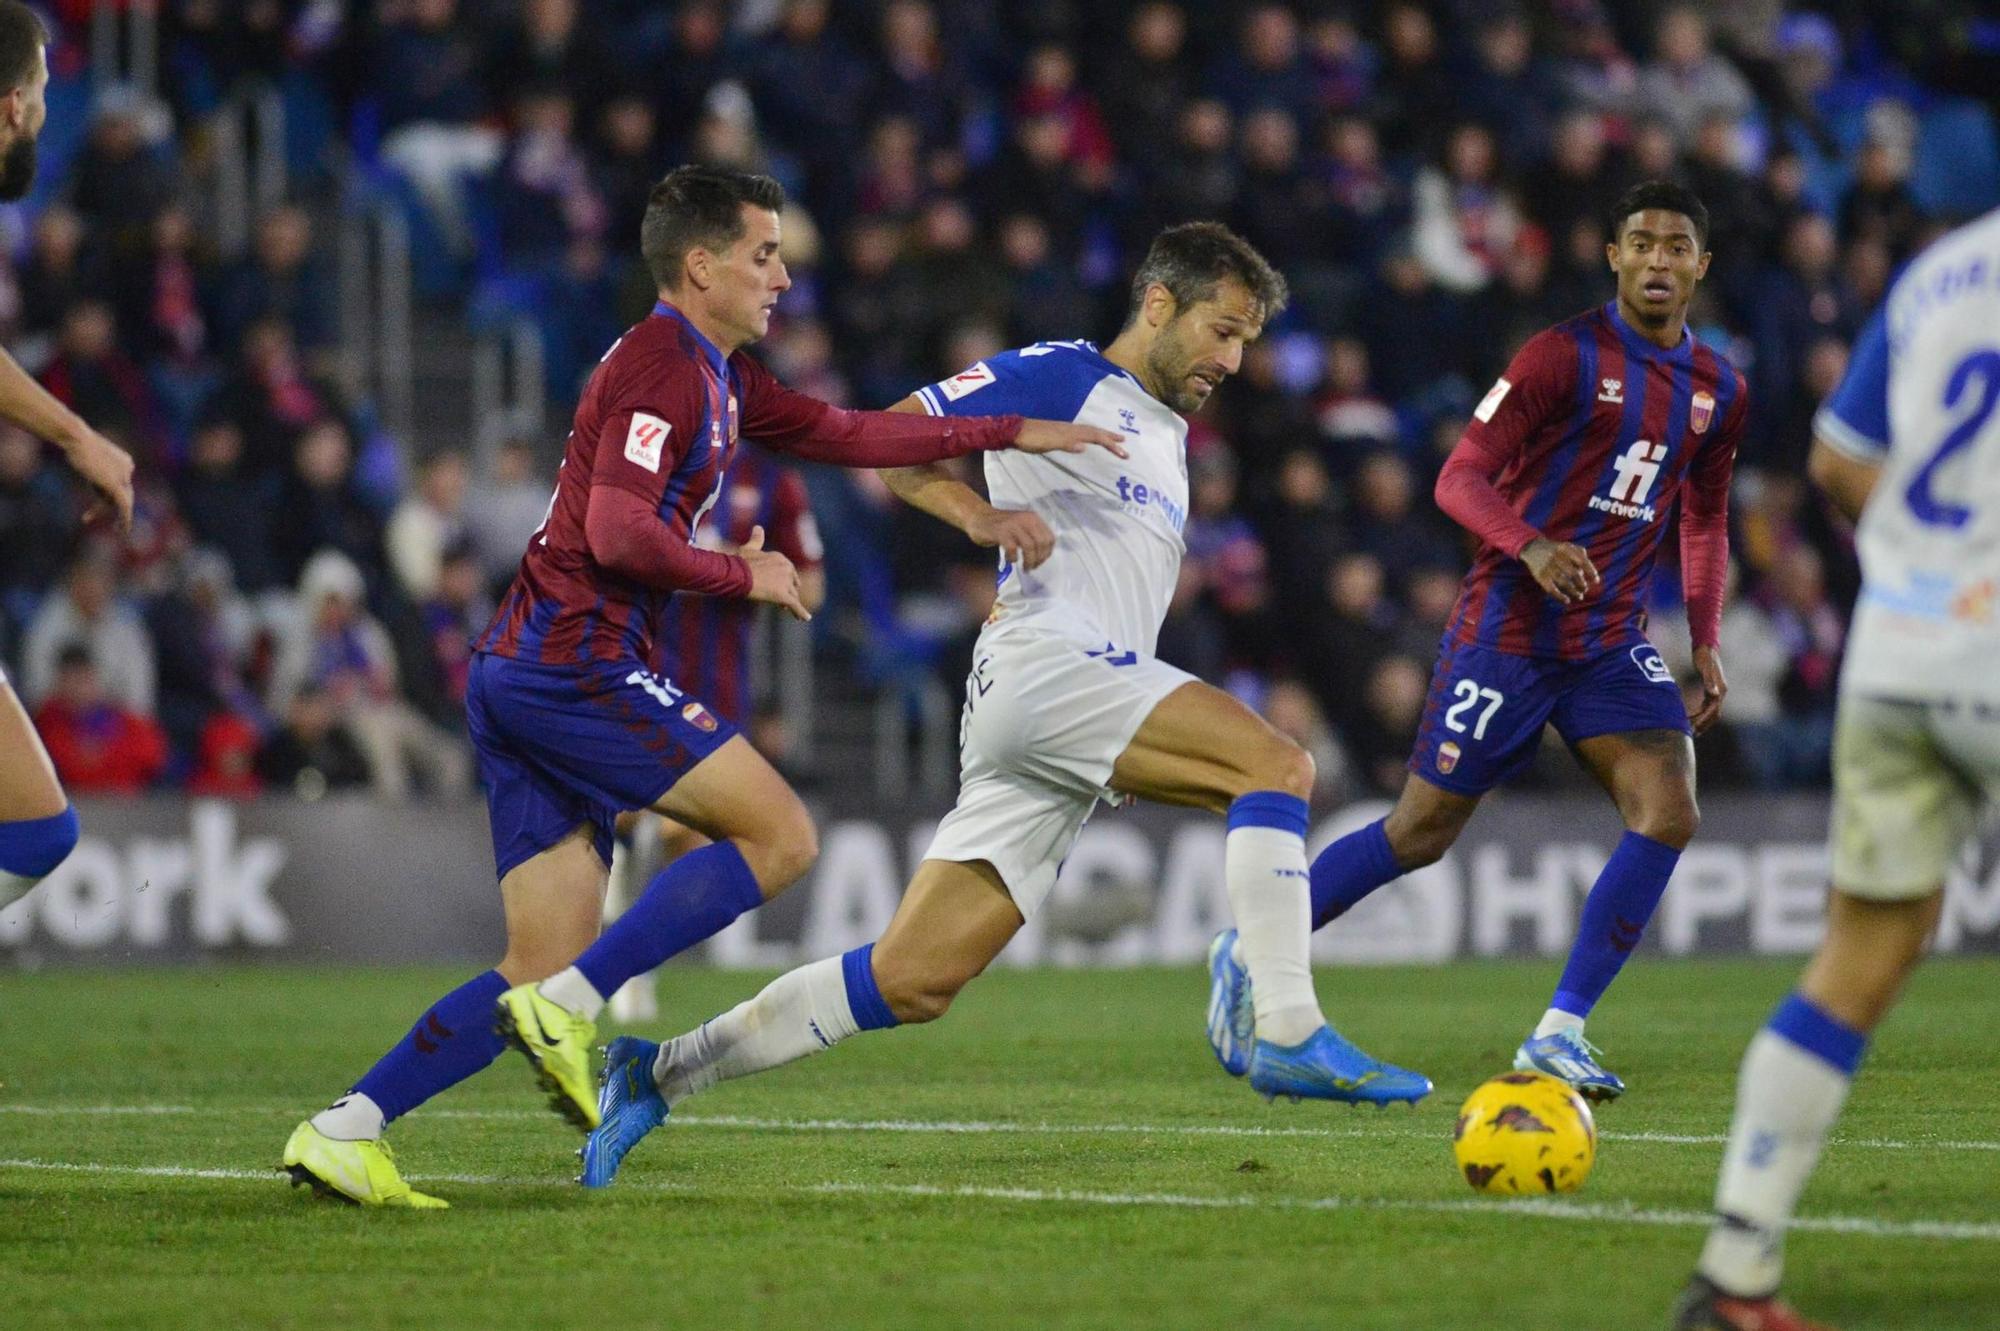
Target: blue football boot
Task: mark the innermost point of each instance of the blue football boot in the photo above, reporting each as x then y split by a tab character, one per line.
1232	1022
629	1106
1327	1067
1567	1056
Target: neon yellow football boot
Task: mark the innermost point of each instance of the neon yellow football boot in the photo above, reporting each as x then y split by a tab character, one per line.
558	1043
362	1172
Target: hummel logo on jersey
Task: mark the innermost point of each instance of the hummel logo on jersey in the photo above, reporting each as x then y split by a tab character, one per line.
1633	474
1128	420
1613	390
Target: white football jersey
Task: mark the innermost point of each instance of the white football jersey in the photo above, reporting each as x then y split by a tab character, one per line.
1922	399
1117	521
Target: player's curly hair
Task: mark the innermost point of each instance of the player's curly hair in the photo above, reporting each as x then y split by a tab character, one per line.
699	207
22	34
1192	259
1665	196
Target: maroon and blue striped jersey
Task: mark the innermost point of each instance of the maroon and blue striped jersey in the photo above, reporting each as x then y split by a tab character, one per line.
659	421
1593	436
659	417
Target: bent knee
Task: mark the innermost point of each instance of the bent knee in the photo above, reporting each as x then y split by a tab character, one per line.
780	854
1282	767
1672	824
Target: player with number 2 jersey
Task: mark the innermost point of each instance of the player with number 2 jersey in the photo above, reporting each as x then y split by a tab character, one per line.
1570	472
1909	446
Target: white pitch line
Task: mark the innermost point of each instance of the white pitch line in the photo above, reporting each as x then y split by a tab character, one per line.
1540	1208
1546	1208
976	1127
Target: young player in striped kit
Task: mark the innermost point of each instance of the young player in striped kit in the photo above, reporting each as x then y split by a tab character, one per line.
1569	474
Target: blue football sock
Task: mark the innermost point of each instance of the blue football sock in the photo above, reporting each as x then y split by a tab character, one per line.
448	1044
1615	915
1349	870
693	898
31	849
864	996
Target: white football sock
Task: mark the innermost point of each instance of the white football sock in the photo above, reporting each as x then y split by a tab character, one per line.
1271	896
801	1012
1555	1019
637	999
351	1118
569	989
1786	1102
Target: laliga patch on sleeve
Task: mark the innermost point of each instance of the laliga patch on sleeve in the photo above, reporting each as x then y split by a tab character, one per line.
967	381
1491	402
645	439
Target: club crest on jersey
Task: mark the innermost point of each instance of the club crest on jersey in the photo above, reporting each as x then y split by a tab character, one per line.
1701	410
645	439
1612	391
1448	756
699	717
969	380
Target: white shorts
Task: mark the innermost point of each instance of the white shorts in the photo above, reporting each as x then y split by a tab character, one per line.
1046	717
1911	783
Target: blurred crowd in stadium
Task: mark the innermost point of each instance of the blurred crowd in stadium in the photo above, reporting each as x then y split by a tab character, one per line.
293	611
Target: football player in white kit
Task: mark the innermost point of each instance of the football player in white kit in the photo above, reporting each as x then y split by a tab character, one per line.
1916	752
1066	705
38	825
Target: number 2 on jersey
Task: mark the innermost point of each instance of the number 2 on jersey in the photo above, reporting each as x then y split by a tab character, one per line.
1924	503
1469	694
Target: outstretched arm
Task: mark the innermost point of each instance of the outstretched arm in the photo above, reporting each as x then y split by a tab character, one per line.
106	466
1020	535
808	428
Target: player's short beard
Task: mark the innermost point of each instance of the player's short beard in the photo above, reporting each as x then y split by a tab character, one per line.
17	169
1169	365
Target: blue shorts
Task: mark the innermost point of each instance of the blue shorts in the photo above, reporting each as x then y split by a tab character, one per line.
563	745
1483	719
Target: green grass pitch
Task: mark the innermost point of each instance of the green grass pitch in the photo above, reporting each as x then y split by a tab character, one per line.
1103	1172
